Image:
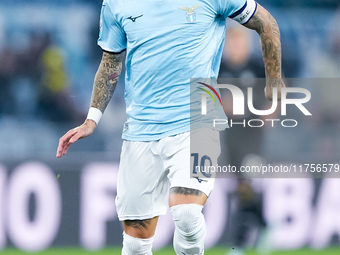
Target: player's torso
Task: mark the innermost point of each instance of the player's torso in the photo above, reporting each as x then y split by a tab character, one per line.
168	43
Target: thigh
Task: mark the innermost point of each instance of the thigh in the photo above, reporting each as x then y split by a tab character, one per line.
189	153
142	188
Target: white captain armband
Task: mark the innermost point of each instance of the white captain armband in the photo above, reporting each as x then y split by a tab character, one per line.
244	14
94	114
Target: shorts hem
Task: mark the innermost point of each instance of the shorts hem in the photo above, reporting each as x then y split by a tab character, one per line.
142	217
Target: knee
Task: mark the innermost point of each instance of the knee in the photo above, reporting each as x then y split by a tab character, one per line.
188	219
136	246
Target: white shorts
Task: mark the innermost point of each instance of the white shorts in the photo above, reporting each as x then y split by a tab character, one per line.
148	170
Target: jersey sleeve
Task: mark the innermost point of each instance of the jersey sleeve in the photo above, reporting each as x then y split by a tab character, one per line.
239	10
112	37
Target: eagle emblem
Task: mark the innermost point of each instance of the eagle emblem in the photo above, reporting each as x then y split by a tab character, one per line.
191	14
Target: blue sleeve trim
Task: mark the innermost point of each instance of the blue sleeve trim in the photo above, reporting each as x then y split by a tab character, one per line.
239	11
114	52
111	50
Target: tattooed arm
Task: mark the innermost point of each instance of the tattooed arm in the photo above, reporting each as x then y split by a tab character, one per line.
106	79
105	82
265	25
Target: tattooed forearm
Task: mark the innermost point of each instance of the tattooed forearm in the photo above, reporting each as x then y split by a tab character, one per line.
106	79
266	26
185	191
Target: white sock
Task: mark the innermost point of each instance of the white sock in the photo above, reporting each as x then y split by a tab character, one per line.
136	246
190	229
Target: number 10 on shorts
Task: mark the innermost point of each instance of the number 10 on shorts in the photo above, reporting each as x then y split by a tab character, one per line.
202	166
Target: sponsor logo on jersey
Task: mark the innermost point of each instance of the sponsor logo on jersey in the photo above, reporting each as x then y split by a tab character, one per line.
133	19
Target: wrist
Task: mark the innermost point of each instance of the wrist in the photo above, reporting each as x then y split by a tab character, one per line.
90	123
94	114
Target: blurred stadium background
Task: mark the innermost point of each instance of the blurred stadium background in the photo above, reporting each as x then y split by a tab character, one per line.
48	58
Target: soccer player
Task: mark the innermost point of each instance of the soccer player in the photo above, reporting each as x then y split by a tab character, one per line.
166	44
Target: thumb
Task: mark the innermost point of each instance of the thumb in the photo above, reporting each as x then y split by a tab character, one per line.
82	132
75	137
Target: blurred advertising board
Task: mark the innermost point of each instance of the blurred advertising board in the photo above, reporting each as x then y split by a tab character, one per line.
45	204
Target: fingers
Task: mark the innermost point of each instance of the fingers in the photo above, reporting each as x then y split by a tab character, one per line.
74	135
63	149
64	142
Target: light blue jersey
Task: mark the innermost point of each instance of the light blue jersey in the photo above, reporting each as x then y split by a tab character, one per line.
167	42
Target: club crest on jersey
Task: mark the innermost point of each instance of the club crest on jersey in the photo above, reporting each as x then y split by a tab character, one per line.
191	14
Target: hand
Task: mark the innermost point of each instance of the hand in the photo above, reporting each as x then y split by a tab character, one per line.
273	83
74	135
